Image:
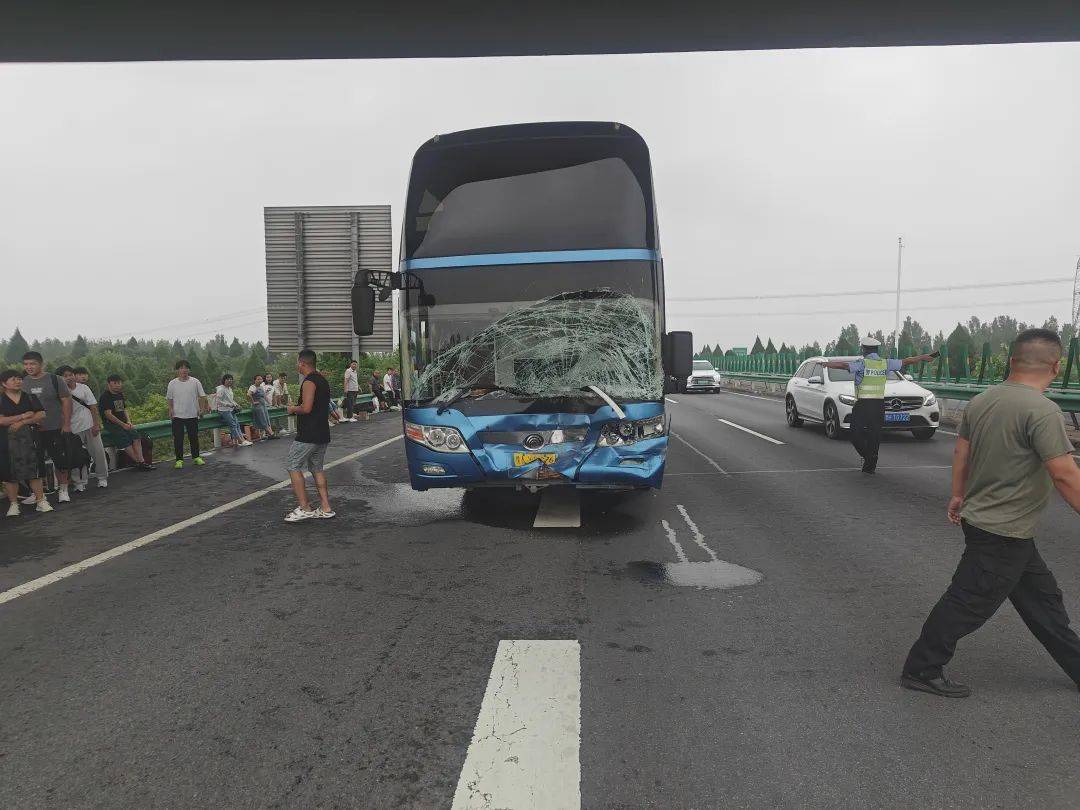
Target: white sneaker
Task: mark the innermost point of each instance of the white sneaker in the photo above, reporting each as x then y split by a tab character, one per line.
246	443
102	483
13	510
321	513
64	497
44	506
80	487
298	514
30	500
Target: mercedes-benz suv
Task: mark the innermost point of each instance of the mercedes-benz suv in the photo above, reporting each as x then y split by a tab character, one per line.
827	395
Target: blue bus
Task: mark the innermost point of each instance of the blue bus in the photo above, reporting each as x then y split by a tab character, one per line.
531	311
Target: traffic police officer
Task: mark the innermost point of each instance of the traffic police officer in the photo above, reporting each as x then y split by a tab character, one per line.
868	414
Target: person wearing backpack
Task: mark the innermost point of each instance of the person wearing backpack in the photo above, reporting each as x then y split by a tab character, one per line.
54	396
86	425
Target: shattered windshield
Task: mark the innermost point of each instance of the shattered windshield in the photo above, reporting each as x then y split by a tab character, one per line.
537	331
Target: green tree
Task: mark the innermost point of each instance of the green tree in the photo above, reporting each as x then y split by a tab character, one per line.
255	364
770	349
236	348
196	363
960	342
211	370
178	349
16	347
79	347
758	348
132	344
705	350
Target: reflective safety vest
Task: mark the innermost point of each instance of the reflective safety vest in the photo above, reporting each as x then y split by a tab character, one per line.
873	379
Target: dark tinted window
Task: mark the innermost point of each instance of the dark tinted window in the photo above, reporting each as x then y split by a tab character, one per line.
551	193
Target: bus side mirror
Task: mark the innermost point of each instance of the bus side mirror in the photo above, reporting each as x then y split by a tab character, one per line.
678	359
363	305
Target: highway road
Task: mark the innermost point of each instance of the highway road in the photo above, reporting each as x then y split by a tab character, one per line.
733	640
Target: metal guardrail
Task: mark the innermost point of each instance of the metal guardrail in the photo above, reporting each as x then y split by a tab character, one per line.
935	376
162	428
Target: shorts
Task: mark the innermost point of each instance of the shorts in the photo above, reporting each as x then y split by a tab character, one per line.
51	443
121	438
306	456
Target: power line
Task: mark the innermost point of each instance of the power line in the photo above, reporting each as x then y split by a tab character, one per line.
944	288
862	311
199	322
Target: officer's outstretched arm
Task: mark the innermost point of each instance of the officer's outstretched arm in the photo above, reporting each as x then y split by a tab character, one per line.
920	358
1066	477
836	364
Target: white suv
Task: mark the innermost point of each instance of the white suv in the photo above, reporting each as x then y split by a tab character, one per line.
703	377
826	395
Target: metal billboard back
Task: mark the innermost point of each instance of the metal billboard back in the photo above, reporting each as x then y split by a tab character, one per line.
312	254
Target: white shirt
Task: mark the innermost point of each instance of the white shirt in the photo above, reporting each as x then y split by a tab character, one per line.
280	389
268	391
225	399
184	396
351	383
387	383
81	418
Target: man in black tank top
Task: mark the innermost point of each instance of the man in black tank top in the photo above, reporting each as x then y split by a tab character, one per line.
308	451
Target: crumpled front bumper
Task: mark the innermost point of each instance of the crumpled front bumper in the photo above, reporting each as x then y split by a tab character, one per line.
581	464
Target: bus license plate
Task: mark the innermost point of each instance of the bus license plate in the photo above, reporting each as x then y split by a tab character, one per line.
898	417
521	459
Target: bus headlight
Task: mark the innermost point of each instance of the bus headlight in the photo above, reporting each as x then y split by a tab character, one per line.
618	434
437	437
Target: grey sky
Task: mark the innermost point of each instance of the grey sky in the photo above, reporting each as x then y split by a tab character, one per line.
131	195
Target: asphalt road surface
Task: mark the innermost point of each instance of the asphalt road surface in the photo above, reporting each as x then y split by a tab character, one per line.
733	640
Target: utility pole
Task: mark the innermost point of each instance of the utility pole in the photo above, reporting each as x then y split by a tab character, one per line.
899	260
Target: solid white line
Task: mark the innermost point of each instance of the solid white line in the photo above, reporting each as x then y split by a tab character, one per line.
672	401
948	432
105	556
752	432
670	532
695	532
774	400
820	469
526	748
718	468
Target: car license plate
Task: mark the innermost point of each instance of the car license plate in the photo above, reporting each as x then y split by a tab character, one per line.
521	459
898	417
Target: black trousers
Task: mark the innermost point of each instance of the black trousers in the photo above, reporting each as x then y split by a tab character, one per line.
179	427
992	569
350	404
867	422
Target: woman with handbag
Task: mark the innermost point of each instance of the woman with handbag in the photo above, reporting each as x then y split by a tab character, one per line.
20	456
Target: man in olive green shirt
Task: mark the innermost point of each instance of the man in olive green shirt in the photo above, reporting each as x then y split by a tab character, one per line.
1012	451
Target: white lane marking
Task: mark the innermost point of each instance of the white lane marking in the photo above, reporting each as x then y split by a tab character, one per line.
948	432
670	532
695	532
714	574
712	463
752	432
526	748
775	400
105	556
672	401
821	469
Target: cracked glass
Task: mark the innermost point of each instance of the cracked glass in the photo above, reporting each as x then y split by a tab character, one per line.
533	332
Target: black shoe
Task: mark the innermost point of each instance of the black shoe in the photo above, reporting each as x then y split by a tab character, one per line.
869	467
146	467
940	686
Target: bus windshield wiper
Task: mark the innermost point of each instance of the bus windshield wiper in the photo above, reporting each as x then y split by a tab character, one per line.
487	389
619	412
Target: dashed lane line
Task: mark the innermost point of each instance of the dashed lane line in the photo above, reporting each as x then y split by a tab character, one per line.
526	747
751	432
710	462
112	553
672	401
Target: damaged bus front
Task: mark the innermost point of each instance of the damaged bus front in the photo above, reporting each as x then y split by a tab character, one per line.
531	311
